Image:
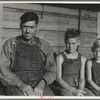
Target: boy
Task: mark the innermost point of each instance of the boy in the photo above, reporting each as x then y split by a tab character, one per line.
93	69
70	67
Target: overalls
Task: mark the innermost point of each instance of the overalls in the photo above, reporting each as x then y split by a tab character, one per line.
28	65
95	77
71	70
71	74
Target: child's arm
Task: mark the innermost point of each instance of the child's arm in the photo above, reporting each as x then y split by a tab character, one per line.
82	74
59	74
61	82
89	75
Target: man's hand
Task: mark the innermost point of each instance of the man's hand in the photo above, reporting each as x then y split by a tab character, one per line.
39	88
26	89
77	92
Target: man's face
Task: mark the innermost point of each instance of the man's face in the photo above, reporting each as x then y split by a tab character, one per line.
29	30
72	44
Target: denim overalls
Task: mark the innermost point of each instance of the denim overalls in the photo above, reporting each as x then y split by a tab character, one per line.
71	70
28	65
95	77
70	73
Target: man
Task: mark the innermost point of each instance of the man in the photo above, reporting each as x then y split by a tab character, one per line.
27	63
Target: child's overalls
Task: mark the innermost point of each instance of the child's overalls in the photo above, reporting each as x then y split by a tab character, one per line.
71	74
28	65
95	77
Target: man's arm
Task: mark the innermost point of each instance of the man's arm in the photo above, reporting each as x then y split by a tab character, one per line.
50	67
7	77
49	72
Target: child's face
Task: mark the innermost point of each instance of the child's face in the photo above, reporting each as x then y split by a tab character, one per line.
96	53
72	44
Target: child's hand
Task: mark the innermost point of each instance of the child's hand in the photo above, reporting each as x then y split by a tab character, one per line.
77	92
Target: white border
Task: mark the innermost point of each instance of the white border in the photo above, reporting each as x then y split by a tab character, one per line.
52	97
61	2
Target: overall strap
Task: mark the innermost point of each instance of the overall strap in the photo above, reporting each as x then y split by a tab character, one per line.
64	55
79	56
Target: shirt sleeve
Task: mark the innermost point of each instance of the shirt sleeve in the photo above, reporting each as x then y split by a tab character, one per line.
50	68
6	75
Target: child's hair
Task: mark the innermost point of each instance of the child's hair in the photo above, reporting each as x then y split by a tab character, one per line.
72	33
96	44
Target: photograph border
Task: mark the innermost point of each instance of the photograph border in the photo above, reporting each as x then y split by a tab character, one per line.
55	2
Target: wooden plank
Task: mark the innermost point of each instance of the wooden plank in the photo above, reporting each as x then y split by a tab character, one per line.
51	9
88	26
11	24
62	48
1	17
86	38
85	51
69	11
98	24
60	10
14	14
50	36
44	25
91	35
87	42
32	6
88	14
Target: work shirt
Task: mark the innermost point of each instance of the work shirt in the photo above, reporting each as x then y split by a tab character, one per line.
7	58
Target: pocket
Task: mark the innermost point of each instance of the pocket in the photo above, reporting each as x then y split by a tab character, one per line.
68	68
22	53
22	60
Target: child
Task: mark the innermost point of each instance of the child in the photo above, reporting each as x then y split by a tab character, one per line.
70	67
93	69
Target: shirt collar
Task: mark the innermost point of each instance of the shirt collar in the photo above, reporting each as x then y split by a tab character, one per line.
35	41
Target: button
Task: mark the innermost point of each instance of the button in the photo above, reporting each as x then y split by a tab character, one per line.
29	42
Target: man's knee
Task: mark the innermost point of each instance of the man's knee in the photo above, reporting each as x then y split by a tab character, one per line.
47	91
88	92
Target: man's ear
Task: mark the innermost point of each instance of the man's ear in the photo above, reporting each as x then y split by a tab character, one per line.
37	28
20	26
92	49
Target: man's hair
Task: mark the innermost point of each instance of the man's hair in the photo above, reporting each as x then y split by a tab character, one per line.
72	33
29	16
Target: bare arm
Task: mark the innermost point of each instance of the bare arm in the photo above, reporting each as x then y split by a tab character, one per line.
89	75
82	74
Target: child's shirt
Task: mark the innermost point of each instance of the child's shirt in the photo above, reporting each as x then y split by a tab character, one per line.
71	70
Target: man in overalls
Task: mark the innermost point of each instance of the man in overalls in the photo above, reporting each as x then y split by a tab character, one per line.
27	63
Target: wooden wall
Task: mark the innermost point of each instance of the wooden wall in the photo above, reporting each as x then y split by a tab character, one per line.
53	23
